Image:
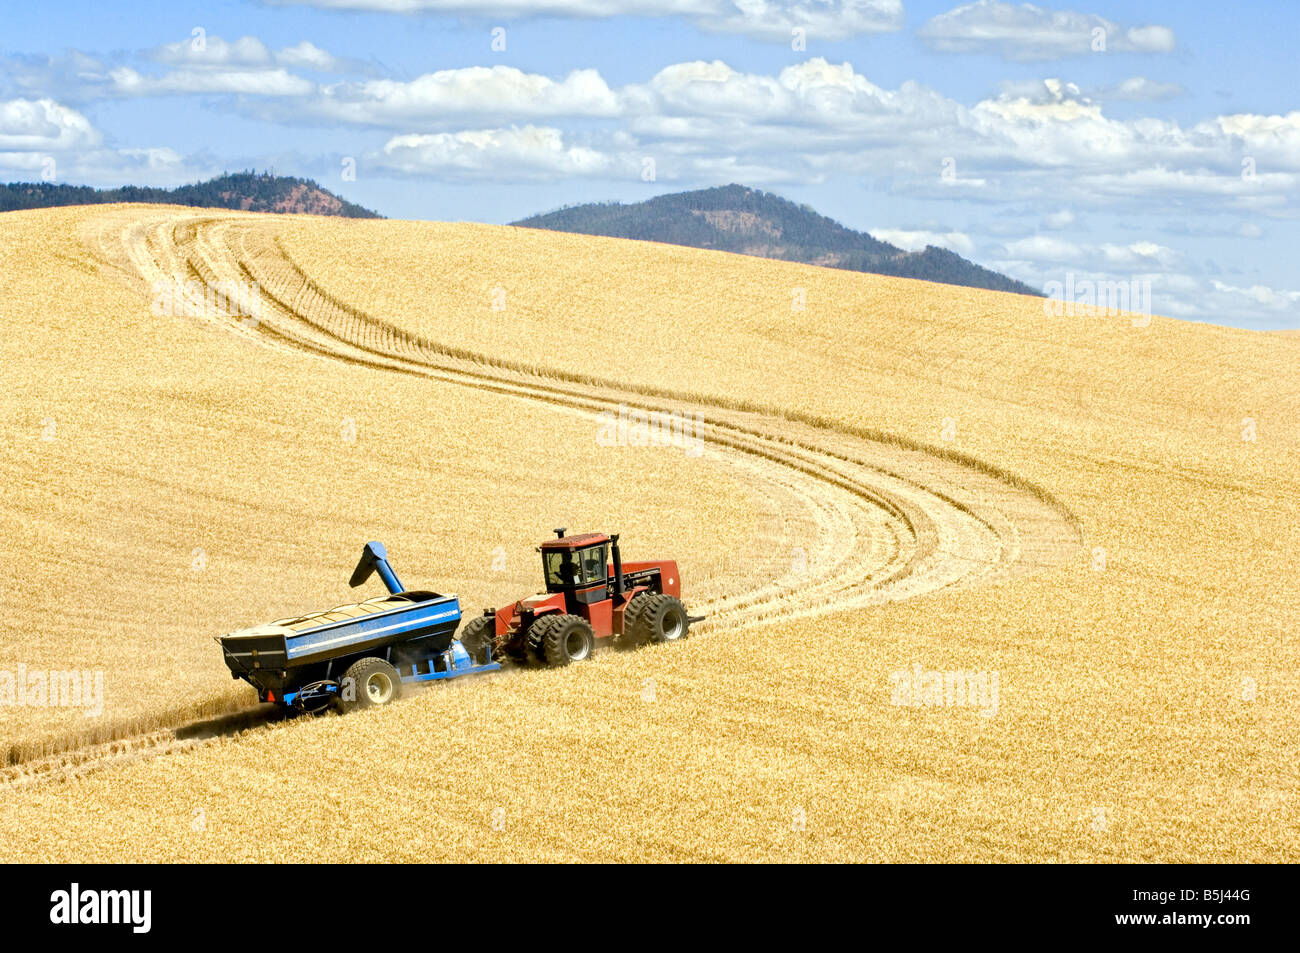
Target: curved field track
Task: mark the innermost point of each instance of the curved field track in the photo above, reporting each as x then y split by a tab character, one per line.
868	519
893	521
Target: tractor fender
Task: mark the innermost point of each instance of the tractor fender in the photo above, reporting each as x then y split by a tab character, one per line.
620	608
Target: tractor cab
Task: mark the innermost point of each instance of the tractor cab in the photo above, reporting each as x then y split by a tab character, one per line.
576	566
591	594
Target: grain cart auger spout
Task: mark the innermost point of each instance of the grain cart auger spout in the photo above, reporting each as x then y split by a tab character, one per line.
355	655
590	594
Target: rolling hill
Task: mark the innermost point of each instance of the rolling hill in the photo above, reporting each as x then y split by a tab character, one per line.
240	191
744	220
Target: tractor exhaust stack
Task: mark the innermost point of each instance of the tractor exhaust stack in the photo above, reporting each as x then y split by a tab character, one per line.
618	564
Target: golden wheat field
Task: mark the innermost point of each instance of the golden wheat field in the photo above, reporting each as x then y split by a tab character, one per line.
894	481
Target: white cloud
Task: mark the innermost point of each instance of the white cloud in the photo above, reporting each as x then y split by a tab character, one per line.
254	82
245	52
213	51
1133	89
1261	190
762	19
1274	299
810	99
821	20
46	138
1136	257
1044	248
43	125
1028	32
307	55
494	91
917	240
1045	141
517	153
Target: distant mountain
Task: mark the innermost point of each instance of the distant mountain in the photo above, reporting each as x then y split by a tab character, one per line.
739	219
243	191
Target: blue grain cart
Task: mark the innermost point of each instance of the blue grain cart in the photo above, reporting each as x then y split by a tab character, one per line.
356	655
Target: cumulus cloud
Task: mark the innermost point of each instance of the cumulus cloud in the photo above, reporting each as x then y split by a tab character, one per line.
43	125
307	55
517	152
44	138
495	91
761	19
1043	140
705	100
1028	32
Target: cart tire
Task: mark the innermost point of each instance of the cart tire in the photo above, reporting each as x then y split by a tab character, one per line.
369	683
478	637
569	639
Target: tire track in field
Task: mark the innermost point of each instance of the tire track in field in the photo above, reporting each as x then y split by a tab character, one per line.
894	521
882	520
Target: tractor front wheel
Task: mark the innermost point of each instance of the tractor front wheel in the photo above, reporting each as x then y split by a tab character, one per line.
369	683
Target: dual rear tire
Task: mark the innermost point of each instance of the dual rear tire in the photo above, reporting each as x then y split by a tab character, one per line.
654	617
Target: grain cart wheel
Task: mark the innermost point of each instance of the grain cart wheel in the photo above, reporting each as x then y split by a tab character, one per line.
372	682
569	639
477	637
662	619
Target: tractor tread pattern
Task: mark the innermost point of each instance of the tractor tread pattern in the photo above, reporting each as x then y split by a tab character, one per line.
645	617
477	637
555	645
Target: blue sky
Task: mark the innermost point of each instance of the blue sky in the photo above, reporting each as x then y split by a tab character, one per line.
1107	141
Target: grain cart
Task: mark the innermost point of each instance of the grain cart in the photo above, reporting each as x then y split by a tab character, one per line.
586	598
356	655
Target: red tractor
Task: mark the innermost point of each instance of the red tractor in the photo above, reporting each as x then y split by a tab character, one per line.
587	598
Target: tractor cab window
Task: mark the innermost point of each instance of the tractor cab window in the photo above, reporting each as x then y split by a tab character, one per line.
561	568
566	567
593	563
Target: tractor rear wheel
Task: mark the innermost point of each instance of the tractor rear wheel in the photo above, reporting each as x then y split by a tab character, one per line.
477	637
368	683
655	617
561	639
